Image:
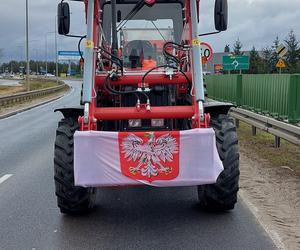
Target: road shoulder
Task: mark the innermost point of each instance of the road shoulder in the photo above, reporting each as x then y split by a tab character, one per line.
273	196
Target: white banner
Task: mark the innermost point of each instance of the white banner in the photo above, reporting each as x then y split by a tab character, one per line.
165	158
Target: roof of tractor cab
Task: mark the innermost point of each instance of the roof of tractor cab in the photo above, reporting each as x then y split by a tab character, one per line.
136	1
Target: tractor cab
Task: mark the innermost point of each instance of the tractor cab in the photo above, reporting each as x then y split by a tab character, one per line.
142	30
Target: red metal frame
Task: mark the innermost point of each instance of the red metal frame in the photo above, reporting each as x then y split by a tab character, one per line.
164	112
135	78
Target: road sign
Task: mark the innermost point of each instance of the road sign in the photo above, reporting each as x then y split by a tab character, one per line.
280	64
281	50
235	62
206	51
69	55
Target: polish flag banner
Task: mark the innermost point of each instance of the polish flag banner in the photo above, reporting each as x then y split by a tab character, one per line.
149	156
163	159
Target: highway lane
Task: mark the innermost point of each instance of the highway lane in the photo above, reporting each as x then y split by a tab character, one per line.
125	218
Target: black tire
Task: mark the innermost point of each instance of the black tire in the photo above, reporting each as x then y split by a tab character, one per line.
222	196
70	199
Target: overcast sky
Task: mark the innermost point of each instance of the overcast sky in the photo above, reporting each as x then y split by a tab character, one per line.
254	22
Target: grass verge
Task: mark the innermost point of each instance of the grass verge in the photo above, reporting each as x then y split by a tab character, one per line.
262	146
35	84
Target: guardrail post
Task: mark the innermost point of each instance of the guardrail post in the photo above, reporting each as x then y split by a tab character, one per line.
253	131
239	90
277	142
294	99
237	123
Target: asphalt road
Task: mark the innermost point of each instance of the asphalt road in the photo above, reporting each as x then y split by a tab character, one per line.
125	218
5	82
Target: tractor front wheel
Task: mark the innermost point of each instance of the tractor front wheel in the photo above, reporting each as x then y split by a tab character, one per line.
222	195
70	198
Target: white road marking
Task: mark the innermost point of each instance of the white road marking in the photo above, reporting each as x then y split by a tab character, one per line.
5	177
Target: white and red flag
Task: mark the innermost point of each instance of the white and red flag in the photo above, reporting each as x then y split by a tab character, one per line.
164	158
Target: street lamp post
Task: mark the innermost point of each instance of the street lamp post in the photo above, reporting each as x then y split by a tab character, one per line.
56	56
46	55
46	49
27	49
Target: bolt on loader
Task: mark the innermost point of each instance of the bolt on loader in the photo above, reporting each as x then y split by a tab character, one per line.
143	118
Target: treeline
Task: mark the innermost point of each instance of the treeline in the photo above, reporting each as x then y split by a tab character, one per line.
38	67
264	62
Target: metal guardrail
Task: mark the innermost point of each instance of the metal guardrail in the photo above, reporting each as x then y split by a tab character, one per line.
25	96
277	128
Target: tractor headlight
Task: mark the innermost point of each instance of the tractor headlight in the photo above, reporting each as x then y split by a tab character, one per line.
135	123
157	122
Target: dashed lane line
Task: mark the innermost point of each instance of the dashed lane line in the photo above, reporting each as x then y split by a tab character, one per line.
5	177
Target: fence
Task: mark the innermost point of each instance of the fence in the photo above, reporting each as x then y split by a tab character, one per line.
277	96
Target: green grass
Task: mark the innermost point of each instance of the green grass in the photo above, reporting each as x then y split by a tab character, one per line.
35	84
262	145
7	90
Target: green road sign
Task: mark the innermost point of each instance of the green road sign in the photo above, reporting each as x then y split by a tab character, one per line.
235	62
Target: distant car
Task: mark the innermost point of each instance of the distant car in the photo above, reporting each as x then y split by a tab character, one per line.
206	73
49	75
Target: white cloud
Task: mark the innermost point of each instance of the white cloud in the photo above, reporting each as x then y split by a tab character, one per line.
255	22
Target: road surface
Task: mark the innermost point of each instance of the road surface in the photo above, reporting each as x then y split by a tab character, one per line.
5	82
125	218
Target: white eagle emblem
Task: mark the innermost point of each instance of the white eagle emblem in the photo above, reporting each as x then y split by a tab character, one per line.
151	155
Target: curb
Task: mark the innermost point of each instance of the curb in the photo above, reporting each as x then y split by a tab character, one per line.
34	106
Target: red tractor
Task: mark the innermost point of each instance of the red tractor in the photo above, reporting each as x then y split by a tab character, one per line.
144	119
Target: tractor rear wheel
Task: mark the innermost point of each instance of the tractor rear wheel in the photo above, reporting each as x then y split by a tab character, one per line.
222	195
70	198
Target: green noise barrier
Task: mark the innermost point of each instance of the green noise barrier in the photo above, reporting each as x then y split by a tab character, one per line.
273	95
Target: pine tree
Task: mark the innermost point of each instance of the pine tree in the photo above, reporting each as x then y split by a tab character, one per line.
227	48
267	54
274	57
293	54
237	48
256	64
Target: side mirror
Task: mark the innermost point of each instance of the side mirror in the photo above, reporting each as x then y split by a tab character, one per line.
63	18
221	15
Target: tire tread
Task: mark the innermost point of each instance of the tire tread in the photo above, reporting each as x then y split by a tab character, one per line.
70	198
222	195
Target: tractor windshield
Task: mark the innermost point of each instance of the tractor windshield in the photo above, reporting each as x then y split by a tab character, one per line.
141	38
143	46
